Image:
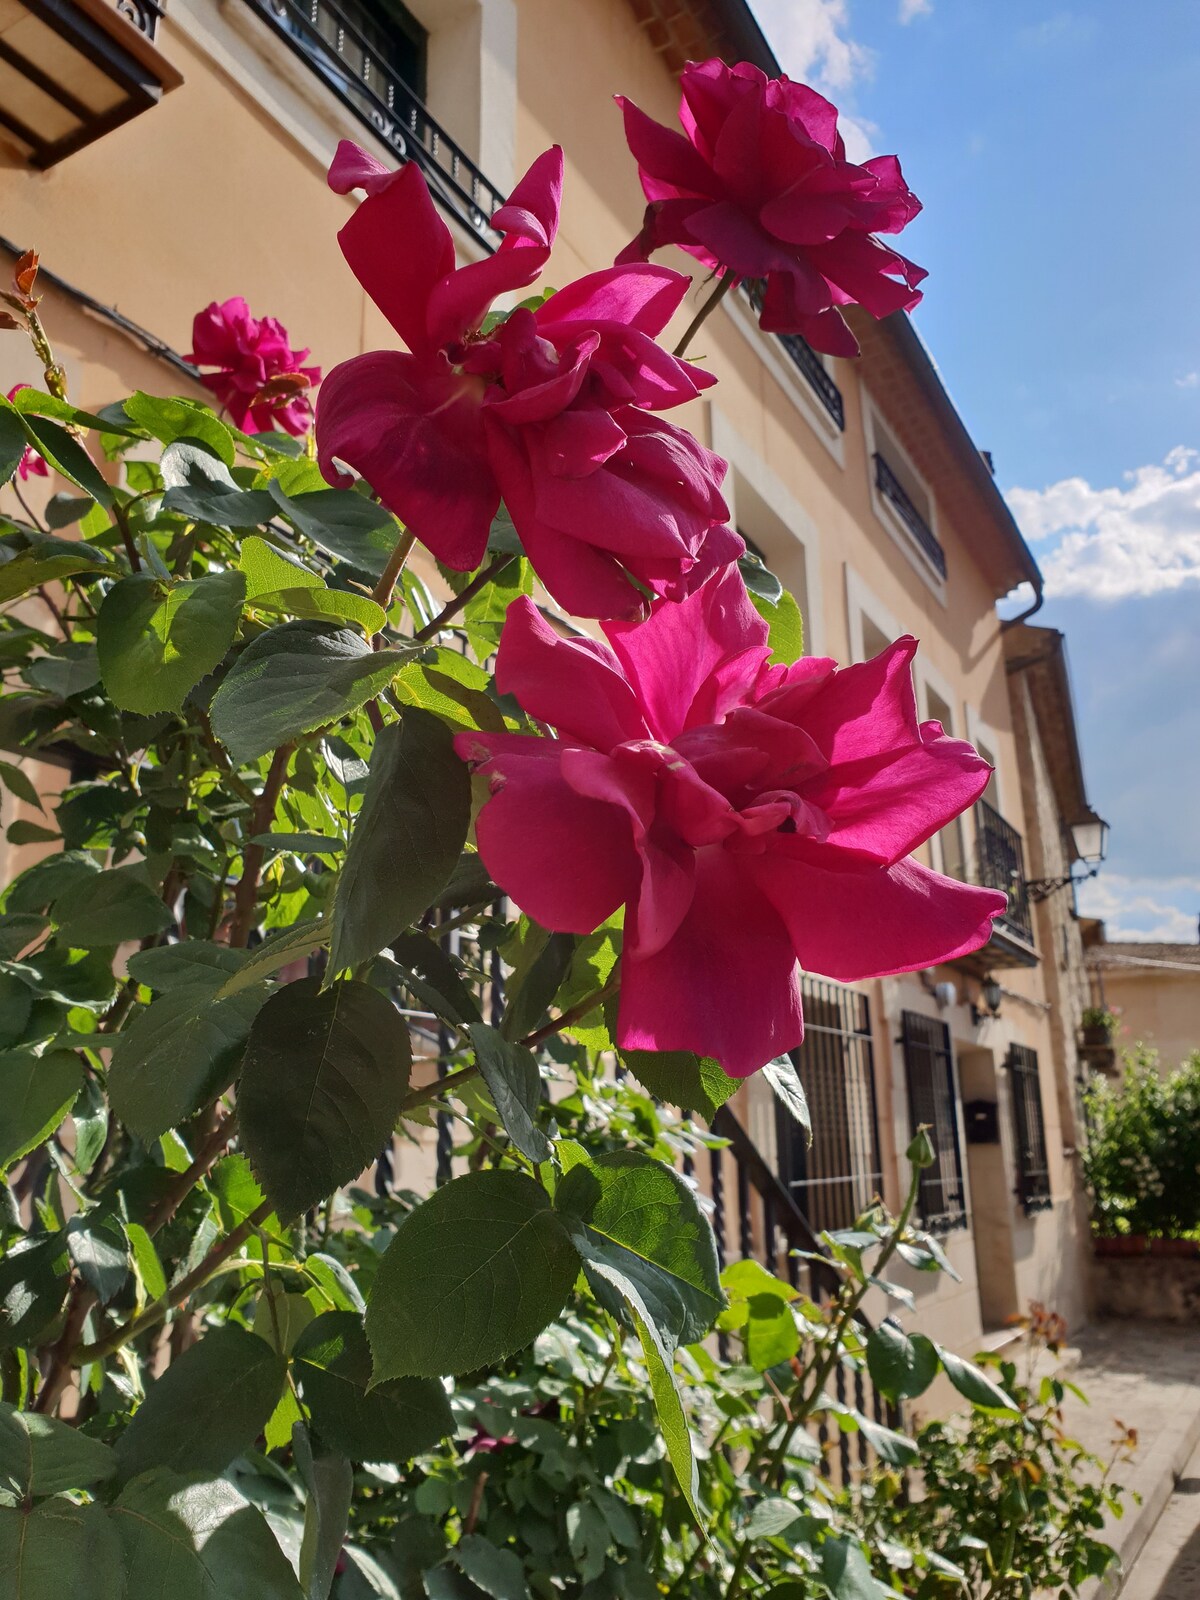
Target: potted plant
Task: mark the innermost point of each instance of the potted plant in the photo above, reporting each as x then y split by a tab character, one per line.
1099	1023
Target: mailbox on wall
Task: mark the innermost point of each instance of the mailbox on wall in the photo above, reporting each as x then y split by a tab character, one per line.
982	1121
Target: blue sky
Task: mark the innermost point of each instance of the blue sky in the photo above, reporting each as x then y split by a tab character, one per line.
1057	153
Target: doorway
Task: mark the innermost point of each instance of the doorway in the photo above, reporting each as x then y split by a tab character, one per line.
991	1191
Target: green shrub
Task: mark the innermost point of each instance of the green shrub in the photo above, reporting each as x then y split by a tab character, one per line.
1142	1160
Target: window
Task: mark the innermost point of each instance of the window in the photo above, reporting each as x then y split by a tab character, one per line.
873	638
933	1102
835	1178
951	843
1029	1129
902	501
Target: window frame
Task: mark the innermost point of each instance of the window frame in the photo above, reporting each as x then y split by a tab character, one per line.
919	1032
1031	1155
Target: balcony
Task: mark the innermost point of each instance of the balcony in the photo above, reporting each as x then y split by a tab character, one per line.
73	70
332	38
892	490
1001	865
806	360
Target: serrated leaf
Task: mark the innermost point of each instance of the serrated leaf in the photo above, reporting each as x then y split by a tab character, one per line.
60	1549
171	966
201	1537
157	640
495	1265
845	1572
515	1085
208	1406
901	1366
329	1482
276	951
98	1247
641	1233
399	1419
171	419
294	678
36	1092
145	1260
13	442
324	1077
407	840
431	973
344	523
41	1456
785	626
39	886
177	1055
45	560
499	1573
672	1419
781	1074
66	455
108	909
679	1078
973	1384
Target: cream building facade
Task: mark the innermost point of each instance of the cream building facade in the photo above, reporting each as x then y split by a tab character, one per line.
857	481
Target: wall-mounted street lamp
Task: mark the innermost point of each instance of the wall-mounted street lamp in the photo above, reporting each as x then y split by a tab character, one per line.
1090	839
991	994
72	70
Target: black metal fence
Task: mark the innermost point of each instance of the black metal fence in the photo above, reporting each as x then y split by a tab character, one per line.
933	1102
894	492
1002	866
834	1178
336	39
1029	1129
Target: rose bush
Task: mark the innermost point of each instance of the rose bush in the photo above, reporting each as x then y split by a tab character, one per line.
268	933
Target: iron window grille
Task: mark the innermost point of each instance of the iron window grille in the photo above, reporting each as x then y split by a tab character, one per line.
933	1102
894	492
1002	866
361	54
835	1178
1029	1129
805	359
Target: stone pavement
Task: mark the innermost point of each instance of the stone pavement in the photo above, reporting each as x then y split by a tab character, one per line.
1169	1565
1147	1376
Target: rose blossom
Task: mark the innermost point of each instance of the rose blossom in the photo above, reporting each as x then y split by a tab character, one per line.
260	379
31	464
761	187
747	816
551	408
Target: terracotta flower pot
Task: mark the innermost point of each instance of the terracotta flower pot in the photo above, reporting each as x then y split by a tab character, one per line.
1174	1247
1126	1244
1096	1034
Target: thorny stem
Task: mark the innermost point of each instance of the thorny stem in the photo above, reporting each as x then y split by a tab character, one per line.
245	896
135	561
728	279
26	508
485	576
56	378
153	1314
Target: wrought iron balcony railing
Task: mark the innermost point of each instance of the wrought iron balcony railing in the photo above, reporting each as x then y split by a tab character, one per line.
1002	866
329	35
805	359
144	14
892	490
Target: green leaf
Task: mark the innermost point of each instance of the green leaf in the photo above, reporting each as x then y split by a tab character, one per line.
515	1085
173	966
406	843
105	910
68	456
434	978
177	1055
640	1231
33	1286
452	687
896	1449
771	1332
48	405
275	952
59	1549
36	1092
198	1540
293	679
758	578
785	626
845	1572
781	1074
13	442
495	1265
973	1384
90	1116
499	1573
69	670
485	612
18	930
208	1406
900	1366
324	1077
329	1481
156	640
39	886
40	1455
344	523
24	832
276	583
266	569
20	784
679	1078
16	1007
169	420
671	1418
772	1518
145	1260
45	560
98	1247
400	1418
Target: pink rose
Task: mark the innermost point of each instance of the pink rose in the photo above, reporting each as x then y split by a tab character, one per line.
761	187
259	378
747	816
551	408
31	464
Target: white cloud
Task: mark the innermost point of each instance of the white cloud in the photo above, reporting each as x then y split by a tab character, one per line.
909	9
1190	380
1158	909
812	41
1116	542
